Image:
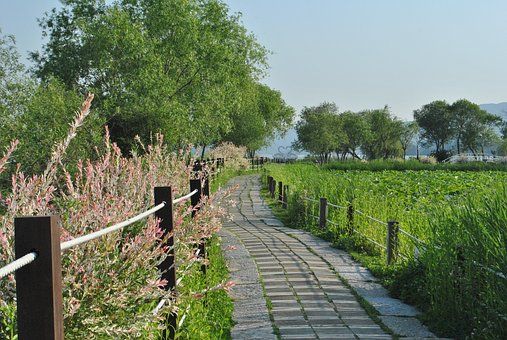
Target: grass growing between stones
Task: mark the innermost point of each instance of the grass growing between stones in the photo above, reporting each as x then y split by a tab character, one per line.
370	310
269	306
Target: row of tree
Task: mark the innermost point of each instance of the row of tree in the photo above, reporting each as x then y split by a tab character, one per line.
462	124
378	134
185	68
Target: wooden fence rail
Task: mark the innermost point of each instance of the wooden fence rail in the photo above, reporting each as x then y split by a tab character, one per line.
392	227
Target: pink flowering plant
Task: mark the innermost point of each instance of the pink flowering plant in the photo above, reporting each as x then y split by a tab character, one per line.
111	285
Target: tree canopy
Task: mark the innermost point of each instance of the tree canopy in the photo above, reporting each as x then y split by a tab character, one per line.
462	122
435	121
261	114
180	67
39	114
316	130
323	130
383	133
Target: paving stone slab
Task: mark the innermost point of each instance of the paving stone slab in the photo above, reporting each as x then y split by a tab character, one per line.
388	306
292	262
406	327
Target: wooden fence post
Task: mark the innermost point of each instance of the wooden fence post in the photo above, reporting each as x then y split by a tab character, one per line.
392	241
280	192
272	189
350	219
285	196
39	284
202	191
168	266
323	213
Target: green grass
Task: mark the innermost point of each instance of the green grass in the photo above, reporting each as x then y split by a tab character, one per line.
221	179
449	210
209	317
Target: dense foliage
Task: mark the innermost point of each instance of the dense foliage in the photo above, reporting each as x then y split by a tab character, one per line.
111	285
462	122
39	114
452	213
261	115
188	69
323	130
382	165
378	134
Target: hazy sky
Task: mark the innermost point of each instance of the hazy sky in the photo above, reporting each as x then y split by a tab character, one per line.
358	53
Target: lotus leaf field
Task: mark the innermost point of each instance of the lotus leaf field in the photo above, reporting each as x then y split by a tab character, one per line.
453	268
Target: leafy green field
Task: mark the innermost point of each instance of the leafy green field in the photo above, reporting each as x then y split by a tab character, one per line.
460	217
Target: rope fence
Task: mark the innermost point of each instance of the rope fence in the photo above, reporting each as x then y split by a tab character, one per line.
29	258
393	230
18	264
369	239
370	217
38	264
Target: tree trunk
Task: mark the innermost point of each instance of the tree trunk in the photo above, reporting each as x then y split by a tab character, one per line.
417	151
457	143
203	150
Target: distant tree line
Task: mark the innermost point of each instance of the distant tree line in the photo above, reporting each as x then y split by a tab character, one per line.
460	126
185	68
377	134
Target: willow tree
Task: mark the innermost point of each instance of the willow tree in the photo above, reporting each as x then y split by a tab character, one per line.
317	130
261	114
175	66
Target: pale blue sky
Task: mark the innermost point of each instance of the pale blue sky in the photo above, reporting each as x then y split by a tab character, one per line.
360	54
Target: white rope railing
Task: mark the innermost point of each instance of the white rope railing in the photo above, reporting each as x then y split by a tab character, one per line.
310	199
17	264
184	198
69	244
369	239
336	206
412	237
371	218
29	258
80	240
158	307
492	271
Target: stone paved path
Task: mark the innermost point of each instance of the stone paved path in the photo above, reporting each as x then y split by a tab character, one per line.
306	297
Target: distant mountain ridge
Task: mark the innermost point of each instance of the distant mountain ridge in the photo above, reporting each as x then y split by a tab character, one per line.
499	109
